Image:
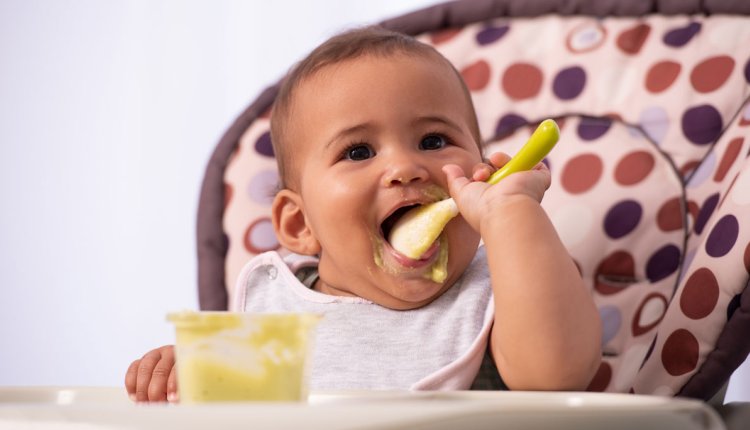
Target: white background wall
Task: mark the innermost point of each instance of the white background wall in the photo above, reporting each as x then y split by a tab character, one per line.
108	114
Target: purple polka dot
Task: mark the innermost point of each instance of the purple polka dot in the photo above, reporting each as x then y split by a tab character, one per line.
262	187
263	145
491	34
261	237
593	128
569	83
622	218
705	213
663	263
723	236
681	36
747	71
611	321
701	124
508	124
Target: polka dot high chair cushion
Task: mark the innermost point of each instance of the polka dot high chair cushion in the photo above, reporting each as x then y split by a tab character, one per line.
650	180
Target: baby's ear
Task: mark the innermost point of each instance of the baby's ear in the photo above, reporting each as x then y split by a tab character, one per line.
290	223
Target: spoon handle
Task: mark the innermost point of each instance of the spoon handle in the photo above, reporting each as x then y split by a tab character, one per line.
539	145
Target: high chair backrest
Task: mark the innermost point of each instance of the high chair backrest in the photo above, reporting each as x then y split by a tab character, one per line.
651	182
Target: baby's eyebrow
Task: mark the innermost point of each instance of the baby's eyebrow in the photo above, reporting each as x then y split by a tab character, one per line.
347	131
438	119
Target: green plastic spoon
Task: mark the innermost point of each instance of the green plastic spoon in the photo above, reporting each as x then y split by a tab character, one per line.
414	233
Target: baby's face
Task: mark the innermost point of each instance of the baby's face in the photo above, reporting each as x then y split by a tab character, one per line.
371	136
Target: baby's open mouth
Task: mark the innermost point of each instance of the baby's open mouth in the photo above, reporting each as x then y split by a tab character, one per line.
390	221
432	264
385	229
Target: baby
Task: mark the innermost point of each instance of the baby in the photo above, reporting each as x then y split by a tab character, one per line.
369	125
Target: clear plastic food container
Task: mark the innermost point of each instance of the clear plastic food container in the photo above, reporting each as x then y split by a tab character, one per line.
228	356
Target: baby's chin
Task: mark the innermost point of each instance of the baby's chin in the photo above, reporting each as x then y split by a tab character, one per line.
410	295
400	283
406	291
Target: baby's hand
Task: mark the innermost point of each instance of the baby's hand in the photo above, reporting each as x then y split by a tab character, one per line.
476	198
153	378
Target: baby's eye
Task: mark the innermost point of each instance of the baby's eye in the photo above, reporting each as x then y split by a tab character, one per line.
432	142
358	152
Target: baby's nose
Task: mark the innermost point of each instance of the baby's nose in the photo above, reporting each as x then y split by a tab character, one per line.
404	171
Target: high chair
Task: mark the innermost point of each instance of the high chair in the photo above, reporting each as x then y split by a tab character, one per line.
651	181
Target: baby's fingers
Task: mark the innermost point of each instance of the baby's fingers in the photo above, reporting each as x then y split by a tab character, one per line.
481	172
131	378
499	159
172	394
145	368
152	374
158	387
456	178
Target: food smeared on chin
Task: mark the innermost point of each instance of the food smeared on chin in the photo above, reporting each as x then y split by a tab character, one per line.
439	270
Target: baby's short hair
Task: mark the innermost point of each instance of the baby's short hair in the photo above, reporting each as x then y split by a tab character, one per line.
352	44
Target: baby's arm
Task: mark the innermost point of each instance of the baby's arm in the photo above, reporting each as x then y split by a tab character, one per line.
546	334
153	377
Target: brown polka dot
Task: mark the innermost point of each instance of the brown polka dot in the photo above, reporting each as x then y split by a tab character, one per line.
228	193
476	75
700	294
634	167
662	75
644	322
581	173
730	155
711	73
689	167
614	273
600	381
669	217
443	36
631	41
679	355
522	81
614	116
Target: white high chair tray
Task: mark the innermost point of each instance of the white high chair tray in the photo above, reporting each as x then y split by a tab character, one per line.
89	408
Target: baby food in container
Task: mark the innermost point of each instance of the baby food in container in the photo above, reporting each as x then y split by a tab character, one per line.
229	356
